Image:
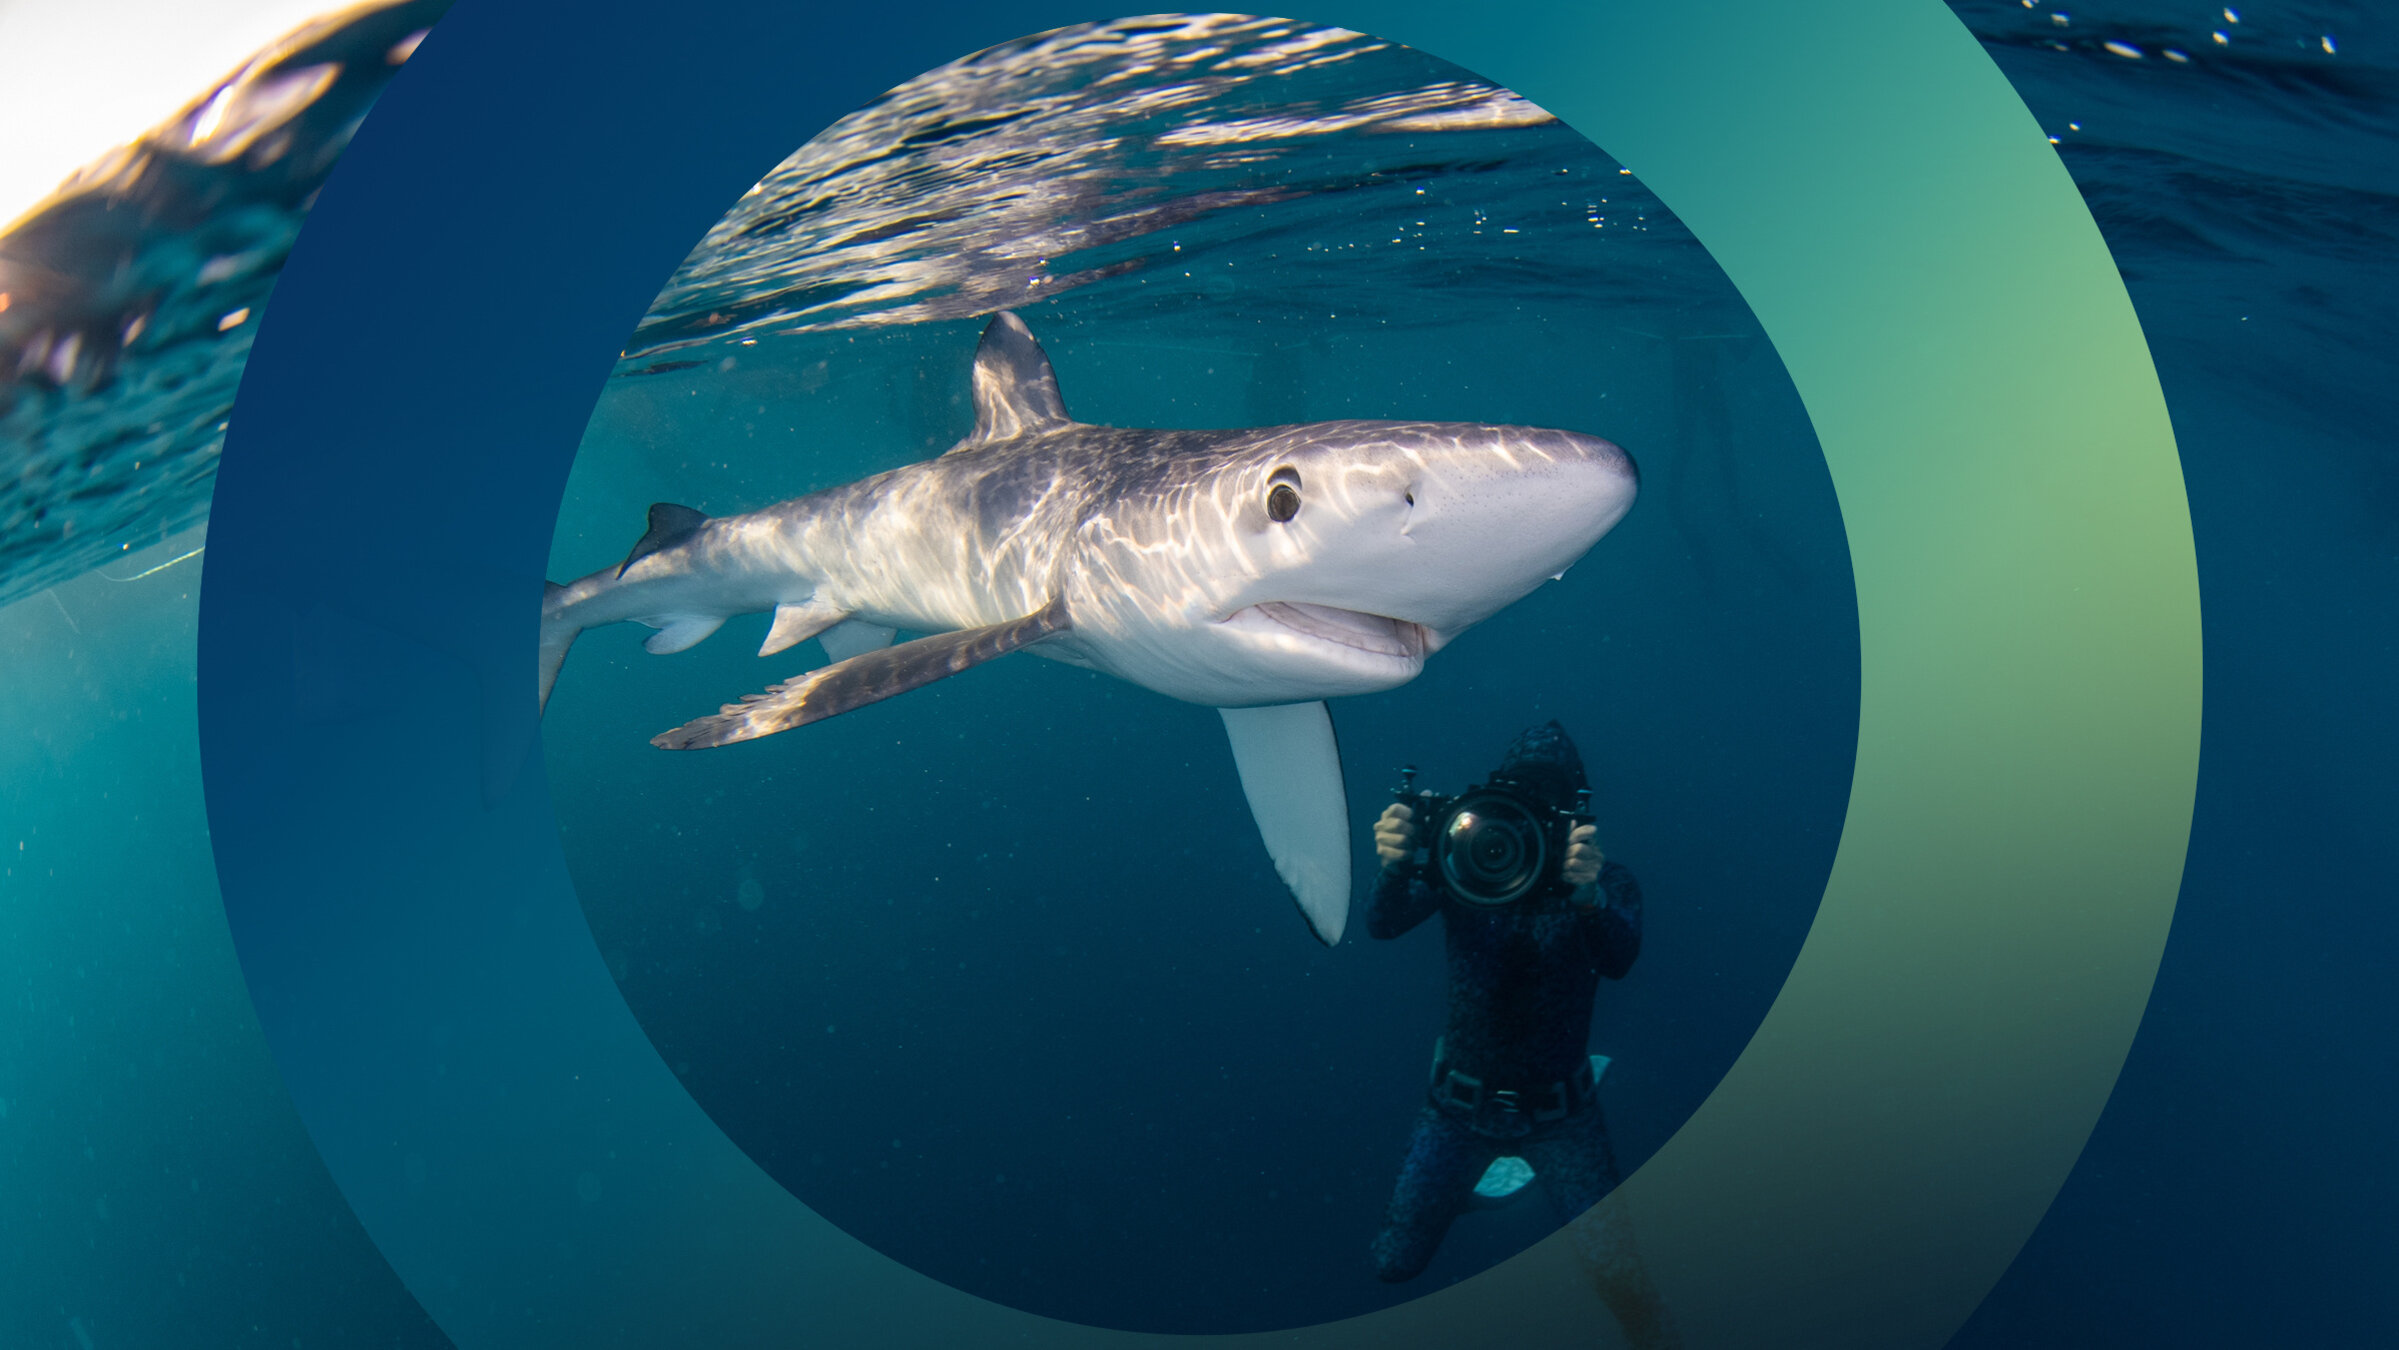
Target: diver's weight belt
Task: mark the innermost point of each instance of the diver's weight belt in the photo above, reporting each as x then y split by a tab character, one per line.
1510	1110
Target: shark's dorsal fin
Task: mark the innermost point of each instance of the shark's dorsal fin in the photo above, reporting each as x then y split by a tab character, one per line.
1016	392
669	525
556	637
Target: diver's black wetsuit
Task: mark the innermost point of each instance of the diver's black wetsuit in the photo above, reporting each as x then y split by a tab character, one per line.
1522	979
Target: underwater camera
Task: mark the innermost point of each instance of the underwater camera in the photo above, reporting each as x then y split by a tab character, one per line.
1496	842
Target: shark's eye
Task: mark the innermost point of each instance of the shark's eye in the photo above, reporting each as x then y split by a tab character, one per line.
1282	497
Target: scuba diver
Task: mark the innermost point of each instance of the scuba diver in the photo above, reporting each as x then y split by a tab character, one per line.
1534	916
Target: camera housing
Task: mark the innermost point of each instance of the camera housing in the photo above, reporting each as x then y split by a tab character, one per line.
1495	843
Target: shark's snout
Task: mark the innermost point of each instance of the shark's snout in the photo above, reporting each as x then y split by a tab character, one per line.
1486	514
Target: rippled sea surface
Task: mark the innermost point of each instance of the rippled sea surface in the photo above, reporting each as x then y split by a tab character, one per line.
1037	168
129	297
1057	162
1099	153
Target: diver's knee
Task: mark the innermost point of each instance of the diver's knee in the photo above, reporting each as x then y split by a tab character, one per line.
1397	1260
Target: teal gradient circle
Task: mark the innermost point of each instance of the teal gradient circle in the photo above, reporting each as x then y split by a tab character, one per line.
2029	719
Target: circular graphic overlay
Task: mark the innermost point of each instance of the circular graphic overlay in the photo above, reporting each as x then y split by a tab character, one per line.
996	974
2027	639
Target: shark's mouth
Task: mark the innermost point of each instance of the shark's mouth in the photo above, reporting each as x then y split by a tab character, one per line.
1347	628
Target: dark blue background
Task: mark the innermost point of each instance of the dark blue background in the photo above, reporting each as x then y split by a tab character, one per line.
2239	1186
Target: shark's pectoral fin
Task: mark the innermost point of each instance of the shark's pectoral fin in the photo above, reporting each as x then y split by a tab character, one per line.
1290	766
669	525
870	678
799	621
676	632
855	637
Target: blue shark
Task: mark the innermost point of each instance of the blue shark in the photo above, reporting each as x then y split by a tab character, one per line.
1258	571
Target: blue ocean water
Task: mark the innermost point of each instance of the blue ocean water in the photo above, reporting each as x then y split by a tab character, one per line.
997	975
2239	1187
158	1186
1149	998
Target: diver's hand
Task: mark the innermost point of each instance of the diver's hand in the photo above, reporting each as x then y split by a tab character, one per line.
1395	835
1583	861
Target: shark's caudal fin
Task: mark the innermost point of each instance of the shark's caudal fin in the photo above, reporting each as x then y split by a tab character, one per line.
1290	766
1016	393
556	636
860	680
669	525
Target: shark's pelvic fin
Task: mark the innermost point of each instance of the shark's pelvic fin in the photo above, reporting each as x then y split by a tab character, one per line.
1290	766
1016	393
799	621
856	637
669	525
678	632
861	680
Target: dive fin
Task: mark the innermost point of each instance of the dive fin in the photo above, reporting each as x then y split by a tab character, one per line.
1290	766
799	621
1503	1180
855	637
1016	392
871	678
676	632
669	525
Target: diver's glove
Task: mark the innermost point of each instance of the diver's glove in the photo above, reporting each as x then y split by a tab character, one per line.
1395	837
1581	868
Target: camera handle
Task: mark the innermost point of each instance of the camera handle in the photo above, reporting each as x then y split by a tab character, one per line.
1581	814
1406	793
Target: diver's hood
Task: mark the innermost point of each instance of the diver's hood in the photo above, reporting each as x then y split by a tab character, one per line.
1544	762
